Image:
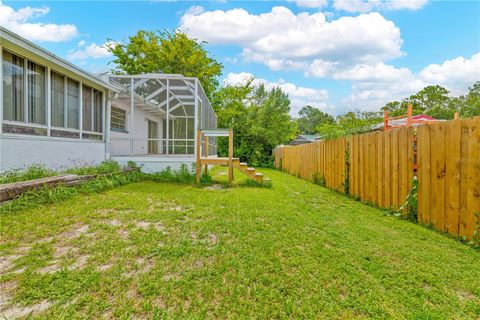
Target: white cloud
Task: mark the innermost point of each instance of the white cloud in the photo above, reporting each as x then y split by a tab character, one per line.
193	10
377	5
91	51
17	21
299	96
376	85
284	41
457	74
312	3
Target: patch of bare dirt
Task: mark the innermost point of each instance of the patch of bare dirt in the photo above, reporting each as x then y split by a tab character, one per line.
212	238
464	295
106	212
165	205
7	262
114	223
80	263
123	234
77	230
51	268
6	293
142	265
17	311
146	225
214	187
104	267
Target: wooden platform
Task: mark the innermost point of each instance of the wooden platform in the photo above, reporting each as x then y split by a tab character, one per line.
204	160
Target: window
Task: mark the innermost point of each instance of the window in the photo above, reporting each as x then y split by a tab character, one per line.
73	104
87	108
36	93
13	87
58	100
97	111
91	109
25	100
118	119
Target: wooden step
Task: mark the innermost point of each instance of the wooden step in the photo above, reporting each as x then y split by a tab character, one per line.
259	177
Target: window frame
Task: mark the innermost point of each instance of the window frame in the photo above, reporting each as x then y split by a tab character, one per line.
98	107
125	120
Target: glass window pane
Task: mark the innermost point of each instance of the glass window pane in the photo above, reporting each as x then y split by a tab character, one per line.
97	111
13	85
73	104
87	108
118	118
58	100
36	93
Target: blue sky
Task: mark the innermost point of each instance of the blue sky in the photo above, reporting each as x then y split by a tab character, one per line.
336	55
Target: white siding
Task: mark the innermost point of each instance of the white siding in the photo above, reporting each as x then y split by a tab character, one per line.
122	147
19	152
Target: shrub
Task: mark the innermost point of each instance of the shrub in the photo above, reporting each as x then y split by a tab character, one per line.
183	175
33	172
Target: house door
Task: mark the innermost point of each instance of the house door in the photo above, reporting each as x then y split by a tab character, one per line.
152	134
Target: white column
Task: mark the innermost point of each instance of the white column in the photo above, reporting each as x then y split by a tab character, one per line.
168	117
132	110
195	123
49	101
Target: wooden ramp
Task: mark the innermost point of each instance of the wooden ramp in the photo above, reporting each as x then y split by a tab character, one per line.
230	161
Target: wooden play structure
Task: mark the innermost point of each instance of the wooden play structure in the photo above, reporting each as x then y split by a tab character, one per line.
204	159
407	120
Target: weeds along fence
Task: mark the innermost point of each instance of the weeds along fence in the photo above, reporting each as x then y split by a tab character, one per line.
379	168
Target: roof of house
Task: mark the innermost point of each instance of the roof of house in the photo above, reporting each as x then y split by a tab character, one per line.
19	41
309	137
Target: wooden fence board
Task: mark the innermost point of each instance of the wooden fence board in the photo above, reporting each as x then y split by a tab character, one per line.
394	168
387	165
452	179
437	205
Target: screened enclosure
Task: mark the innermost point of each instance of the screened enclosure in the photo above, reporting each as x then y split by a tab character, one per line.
158	115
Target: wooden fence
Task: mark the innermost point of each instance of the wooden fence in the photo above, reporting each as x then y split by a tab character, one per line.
379	168
321	160
449	176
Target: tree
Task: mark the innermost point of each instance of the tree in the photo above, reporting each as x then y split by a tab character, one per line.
352	122
431	100
469	105
149	52
260	120
311	118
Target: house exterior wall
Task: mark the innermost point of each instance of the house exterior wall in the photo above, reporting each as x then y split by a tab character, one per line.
120	141
18	152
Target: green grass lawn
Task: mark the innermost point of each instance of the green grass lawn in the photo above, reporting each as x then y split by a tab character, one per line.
295	250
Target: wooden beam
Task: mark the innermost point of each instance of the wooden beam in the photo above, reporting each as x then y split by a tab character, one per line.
206	155
198	167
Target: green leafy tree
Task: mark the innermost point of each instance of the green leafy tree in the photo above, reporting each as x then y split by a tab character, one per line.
352	122
311	118
149	52
260	119
469	105
431	100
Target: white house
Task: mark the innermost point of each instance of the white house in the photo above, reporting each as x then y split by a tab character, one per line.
58	115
